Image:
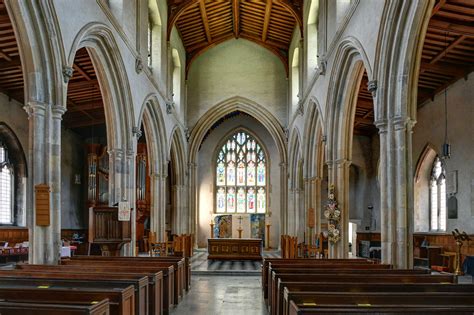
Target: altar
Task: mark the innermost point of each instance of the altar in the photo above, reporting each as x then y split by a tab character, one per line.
234	249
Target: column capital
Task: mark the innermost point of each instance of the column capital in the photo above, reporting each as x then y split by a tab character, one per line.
117	153
35	108
400	123
283	164
382	125
343	162
58	111
372	87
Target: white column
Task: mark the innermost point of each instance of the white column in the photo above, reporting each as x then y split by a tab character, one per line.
284	198
44	156
386	219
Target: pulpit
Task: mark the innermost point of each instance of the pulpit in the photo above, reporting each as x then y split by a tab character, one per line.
107	231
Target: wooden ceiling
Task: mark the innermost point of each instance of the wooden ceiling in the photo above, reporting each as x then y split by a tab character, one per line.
11	74
203	24
84	99
364	115
447	56
448	51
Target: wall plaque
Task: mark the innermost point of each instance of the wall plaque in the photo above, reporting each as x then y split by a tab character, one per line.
124	211
42	205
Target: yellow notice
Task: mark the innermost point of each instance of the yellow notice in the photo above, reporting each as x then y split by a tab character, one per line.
94	302
43	287
364	305
310	304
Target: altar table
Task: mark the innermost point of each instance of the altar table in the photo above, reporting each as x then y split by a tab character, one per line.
234	249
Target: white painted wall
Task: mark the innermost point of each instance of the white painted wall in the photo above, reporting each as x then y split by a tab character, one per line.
236	68
430	128
206	178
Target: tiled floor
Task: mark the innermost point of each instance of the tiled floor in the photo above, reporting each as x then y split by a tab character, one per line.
200	265
223	295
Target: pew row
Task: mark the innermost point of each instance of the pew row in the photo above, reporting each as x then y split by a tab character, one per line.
25	307
121	299
160	283
301	290
83	280
384	303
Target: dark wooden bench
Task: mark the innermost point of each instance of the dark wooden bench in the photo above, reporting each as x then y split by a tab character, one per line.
179	274
26	307
267	261
178	260
308	309
348	276
302	289
159	282
55	279
170	293
358	302
121	299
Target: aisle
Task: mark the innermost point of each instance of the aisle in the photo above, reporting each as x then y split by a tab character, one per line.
223	295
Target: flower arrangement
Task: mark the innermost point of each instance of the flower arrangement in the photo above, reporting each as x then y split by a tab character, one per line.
333	214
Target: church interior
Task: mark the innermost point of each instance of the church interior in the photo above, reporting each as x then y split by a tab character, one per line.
236	157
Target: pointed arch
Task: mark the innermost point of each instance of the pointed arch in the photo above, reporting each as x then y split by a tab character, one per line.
98	39
153	124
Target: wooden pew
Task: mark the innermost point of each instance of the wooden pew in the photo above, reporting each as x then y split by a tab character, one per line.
309	266
140	283
302	289
267	261
182	265
348	276
308	309
357	302
25	307
160	283
121	299
175	287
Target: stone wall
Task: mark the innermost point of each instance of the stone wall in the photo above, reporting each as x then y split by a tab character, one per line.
430	128
236	68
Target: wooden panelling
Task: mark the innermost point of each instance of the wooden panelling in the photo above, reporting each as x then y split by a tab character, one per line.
13	235
446	241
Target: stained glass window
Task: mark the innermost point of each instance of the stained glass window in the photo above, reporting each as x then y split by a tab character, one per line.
241	176
6	185
438	197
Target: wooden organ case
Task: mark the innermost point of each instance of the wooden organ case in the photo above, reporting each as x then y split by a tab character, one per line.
104	227
143	194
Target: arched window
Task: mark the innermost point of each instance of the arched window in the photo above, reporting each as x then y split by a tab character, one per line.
295	79
241	176
6	187
438	196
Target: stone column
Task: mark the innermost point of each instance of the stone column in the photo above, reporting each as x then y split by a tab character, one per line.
284	198
44	156
317	204
342	197
57	112
130	195
403	181
386	219
192	202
